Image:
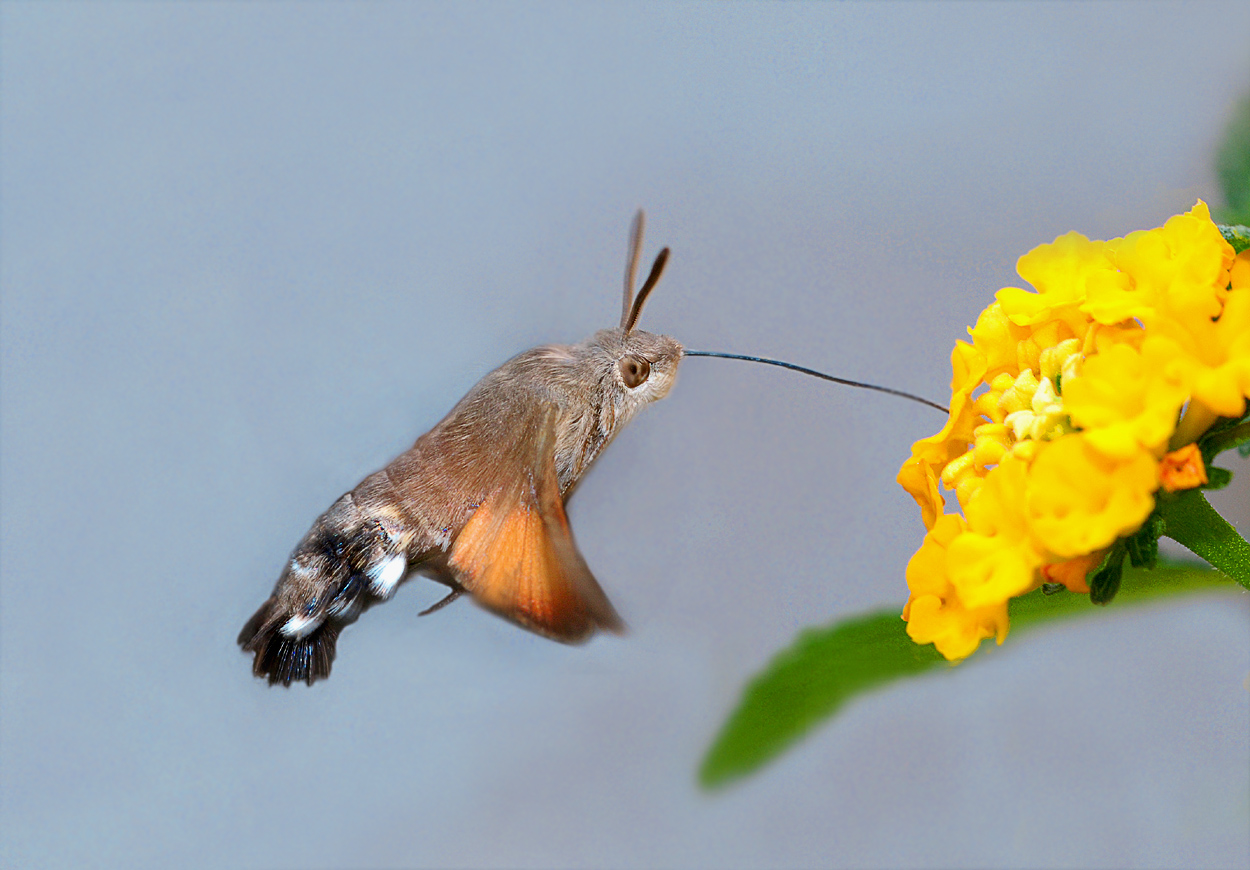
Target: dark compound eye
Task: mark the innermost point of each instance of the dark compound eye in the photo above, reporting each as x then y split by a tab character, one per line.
634	370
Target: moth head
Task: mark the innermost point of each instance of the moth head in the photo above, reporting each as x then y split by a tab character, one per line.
645	364
642	365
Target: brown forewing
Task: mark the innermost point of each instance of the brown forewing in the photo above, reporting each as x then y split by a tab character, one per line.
491	479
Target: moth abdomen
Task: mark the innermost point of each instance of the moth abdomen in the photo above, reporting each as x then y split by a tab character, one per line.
347	600
353	555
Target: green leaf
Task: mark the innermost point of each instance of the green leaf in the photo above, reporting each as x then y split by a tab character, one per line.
1232	164
1104	581
1225	434
1217	478
1237	236
1191	521
1143	545
827	667
1138	585
808	682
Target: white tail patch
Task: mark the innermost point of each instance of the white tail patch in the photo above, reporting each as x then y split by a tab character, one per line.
301	626
385	575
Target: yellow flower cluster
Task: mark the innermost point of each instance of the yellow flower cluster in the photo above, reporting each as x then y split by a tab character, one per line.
1063	409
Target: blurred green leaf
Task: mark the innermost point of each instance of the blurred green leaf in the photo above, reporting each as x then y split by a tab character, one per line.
826	667
807	683
1232	165
1238	237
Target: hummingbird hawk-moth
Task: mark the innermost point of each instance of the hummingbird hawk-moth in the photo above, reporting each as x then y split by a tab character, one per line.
477	503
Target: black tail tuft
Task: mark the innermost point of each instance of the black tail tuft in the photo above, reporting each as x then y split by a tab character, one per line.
284	659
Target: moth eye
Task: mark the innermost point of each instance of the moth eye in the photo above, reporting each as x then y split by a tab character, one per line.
634	370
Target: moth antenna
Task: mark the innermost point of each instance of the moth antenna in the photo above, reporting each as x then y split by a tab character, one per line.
656	269
844	381
631	264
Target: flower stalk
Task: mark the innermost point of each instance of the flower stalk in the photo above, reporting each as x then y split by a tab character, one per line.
1190	520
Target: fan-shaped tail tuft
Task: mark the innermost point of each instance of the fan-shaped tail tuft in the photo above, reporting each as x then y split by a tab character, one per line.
283	659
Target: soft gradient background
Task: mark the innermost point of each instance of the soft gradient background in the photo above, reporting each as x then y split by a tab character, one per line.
250	252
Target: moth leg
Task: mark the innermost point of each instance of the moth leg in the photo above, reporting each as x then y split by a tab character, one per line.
442	575
447	599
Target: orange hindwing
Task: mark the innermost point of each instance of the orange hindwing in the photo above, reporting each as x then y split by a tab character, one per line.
516	556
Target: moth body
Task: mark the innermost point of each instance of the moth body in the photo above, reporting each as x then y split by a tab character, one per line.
477	503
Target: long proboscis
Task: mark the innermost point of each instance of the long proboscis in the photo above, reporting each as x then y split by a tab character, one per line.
844	381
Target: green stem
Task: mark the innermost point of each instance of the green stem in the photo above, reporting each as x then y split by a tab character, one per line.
1192	522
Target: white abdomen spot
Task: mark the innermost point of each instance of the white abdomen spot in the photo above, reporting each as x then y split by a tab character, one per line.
385	575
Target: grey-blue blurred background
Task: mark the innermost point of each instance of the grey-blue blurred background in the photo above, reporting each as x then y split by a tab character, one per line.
250	252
